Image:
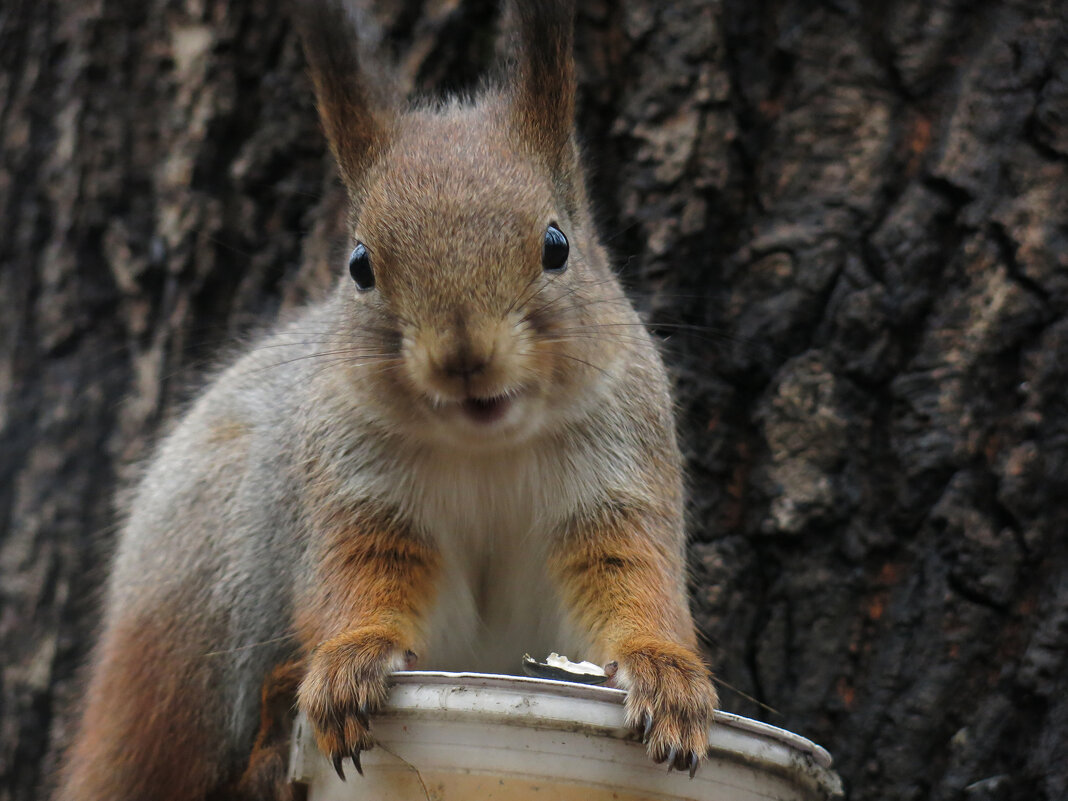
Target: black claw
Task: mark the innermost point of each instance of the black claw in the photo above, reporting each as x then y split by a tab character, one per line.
694	761
647	728
337	766
671	758
356	760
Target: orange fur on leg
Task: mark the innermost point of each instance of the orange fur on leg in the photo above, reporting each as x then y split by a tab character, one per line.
361	623
624	585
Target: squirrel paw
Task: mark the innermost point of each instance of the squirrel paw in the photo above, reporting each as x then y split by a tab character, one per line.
670	700
345	683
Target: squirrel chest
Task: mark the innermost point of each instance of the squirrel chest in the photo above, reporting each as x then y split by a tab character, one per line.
493	518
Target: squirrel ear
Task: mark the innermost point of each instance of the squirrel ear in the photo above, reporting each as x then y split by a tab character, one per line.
543	91
355	116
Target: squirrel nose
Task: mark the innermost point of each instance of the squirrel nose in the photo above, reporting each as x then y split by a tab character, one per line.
465	364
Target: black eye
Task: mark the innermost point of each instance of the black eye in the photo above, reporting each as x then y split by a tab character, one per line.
554	251
360	268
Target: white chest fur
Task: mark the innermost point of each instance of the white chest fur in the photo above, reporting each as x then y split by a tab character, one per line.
494	518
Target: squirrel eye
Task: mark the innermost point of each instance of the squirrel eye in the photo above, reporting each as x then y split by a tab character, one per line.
554	251
360	268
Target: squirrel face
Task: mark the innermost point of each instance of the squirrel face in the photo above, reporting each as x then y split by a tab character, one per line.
495	302
479	338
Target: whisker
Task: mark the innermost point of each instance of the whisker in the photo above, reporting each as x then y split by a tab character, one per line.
538	290
342	357
625	229
570	293
336	344
251	645
587	302
574	358
707	334
522	298
567	336
379	368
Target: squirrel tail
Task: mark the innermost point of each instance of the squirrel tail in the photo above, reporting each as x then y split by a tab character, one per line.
150	727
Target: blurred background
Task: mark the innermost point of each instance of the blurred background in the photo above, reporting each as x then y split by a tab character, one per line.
847	220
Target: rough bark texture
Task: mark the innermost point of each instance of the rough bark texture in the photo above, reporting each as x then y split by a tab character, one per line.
848	219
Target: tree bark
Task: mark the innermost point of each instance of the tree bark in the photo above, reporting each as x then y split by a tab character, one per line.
848	221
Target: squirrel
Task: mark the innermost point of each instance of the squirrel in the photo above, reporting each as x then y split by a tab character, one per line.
466	451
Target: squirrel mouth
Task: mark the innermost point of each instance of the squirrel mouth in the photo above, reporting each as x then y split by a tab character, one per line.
486	410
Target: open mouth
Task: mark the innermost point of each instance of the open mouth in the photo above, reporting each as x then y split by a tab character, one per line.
486	410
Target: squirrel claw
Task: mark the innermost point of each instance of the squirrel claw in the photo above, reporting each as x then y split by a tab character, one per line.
672	754
338	768
648	727
359	767
694	762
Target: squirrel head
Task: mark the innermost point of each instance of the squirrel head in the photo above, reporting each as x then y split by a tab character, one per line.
475	274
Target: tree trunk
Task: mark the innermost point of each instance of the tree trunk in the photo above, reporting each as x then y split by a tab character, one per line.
848	220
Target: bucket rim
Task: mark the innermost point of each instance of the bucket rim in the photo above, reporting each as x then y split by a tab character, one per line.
497	703
610	695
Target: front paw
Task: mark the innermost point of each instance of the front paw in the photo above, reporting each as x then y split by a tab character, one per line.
344	685
670	700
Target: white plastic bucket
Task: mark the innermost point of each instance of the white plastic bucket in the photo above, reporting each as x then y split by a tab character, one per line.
480	737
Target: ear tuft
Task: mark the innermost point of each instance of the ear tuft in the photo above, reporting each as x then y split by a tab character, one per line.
543	94
354	114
